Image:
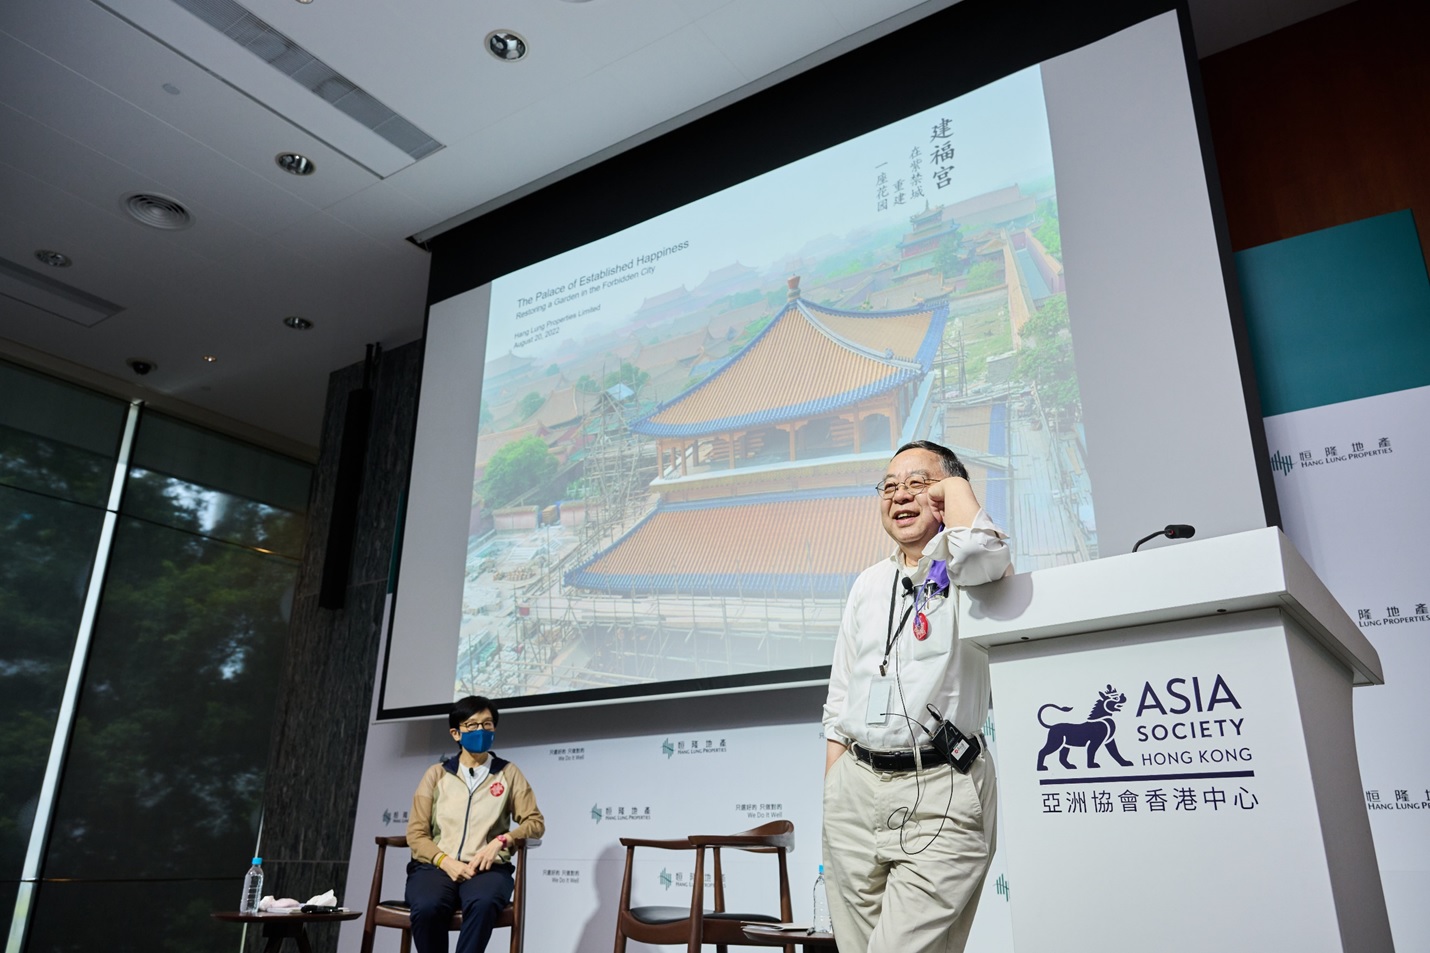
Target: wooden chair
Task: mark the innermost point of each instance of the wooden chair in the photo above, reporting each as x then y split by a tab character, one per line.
394	913
696	926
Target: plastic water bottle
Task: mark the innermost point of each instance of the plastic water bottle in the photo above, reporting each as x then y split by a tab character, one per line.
253	887
822	923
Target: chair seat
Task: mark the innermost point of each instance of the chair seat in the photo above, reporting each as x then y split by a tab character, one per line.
743	917
654	915
657	915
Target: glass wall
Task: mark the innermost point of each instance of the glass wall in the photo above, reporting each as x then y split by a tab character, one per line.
159	797
57	453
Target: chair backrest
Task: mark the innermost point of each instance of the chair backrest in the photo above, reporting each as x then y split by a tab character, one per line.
665	925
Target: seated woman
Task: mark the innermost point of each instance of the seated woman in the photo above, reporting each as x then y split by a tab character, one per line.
460	831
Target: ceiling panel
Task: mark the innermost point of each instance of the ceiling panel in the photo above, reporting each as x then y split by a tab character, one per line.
759	37
196	40
84	119
137	68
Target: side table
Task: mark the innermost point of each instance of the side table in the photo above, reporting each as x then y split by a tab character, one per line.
278	927
761	934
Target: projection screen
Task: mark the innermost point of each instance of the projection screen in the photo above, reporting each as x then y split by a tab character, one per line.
643	465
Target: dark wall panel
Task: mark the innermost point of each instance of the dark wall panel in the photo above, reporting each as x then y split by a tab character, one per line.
1324	122
326	692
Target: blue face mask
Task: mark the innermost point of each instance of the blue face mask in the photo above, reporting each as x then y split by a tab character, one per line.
478	741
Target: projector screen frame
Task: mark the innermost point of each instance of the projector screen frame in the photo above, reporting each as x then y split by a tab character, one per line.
814	110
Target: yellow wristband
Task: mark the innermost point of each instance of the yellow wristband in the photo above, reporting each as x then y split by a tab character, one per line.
437	861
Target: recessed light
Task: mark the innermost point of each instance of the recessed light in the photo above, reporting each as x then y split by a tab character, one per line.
506	45
294	163
305	1
210	358
170	88
297	323
55	259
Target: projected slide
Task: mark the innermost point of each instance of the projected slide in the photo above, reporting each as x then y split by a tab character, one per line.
681	424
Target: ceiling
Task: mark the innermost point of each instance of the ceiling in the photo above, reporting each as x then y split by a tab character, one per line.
102	100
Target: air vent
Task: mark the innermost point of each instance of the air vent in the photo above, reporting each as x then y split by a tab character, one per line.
54	297
157	211
305	69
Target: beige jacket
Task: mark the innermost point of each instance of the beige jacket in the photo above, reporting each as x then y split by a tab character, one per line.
449	819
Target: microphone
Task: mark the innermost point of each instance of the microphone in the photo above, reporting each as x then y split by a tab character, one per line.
908	586
1172	531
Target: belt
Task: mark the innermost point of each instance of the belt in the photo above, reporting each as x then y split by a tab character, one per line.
900	760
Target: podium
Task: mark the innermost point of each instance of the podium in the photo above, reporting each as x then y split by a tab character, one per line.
1176	756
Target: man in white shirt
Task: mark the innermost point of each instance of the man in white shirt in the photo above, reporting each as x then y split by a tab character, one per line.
907	836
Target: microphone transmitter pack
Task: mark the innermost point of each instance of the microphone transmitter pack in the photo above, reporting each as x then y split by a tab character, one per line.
954	746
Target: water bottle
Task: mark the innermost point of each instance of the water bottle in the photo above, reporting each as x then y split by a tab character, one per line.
253	887
822	923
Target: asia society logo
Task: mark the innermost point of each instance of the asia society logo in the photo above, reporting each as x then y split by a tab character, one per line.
1093	732
1282	463
1183	709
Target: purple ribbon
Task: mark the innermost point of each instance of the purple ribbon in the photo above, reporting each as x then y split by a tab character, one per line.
938	575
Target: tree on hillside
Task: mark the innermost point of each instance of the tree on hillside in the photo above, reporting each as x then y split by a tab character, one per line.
1048	232
984	274
630	375
515	469
1046	359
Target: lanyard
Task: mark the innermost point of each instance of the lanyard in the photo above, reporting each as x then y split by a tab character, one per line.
894	631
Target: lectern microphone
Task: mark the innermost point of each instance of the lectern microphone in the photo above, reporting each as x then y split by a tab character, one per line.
1173	531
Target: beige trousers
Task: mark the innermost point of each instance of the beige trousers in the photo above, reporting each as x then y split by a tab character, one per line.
893	891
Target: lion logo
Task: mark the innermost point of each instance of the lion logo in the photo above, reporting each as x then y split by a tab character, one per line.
1093	733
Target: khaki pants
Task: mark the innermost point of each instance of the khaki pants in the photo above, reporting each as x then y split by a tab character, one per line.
918	896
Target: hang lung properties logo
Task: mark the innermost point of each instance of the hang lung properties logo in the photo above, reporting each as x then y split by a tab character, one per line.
1282	463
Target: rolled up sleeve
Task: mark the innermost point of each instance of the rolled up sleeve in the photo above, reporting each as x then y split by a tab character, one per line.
974	554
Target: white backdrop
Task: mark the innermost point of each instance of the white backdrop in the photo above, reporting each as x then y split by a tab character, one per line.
593	792
1353	500
659	784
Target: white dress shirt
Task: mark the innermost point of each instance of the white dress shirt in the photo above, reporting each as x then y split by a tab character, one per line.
938	670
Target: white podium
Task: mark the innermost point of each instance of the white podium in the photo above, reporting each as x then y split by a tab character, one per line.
1176	758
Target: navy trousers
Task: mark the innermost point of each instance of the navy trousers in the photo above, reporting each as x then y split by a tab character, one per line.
432	896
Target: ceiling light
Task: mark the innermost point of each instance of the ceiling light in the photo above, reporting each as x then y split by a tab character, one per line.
297	323
210	358
294	164
506	45
171	89
305	1
157	211
54	259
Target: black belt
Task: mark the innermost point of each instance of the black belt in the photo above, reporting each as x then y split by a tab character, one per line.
896	760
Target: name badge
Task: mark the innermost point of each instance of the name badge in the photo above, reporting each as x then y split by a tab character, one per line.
880	691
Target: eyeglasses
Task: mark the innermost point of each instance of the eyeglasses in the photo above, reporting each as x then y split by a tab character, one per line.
487	725
915	485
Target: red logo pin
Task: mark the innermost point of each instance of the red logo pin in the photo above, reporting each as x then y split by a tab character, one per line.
921	627
497	789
